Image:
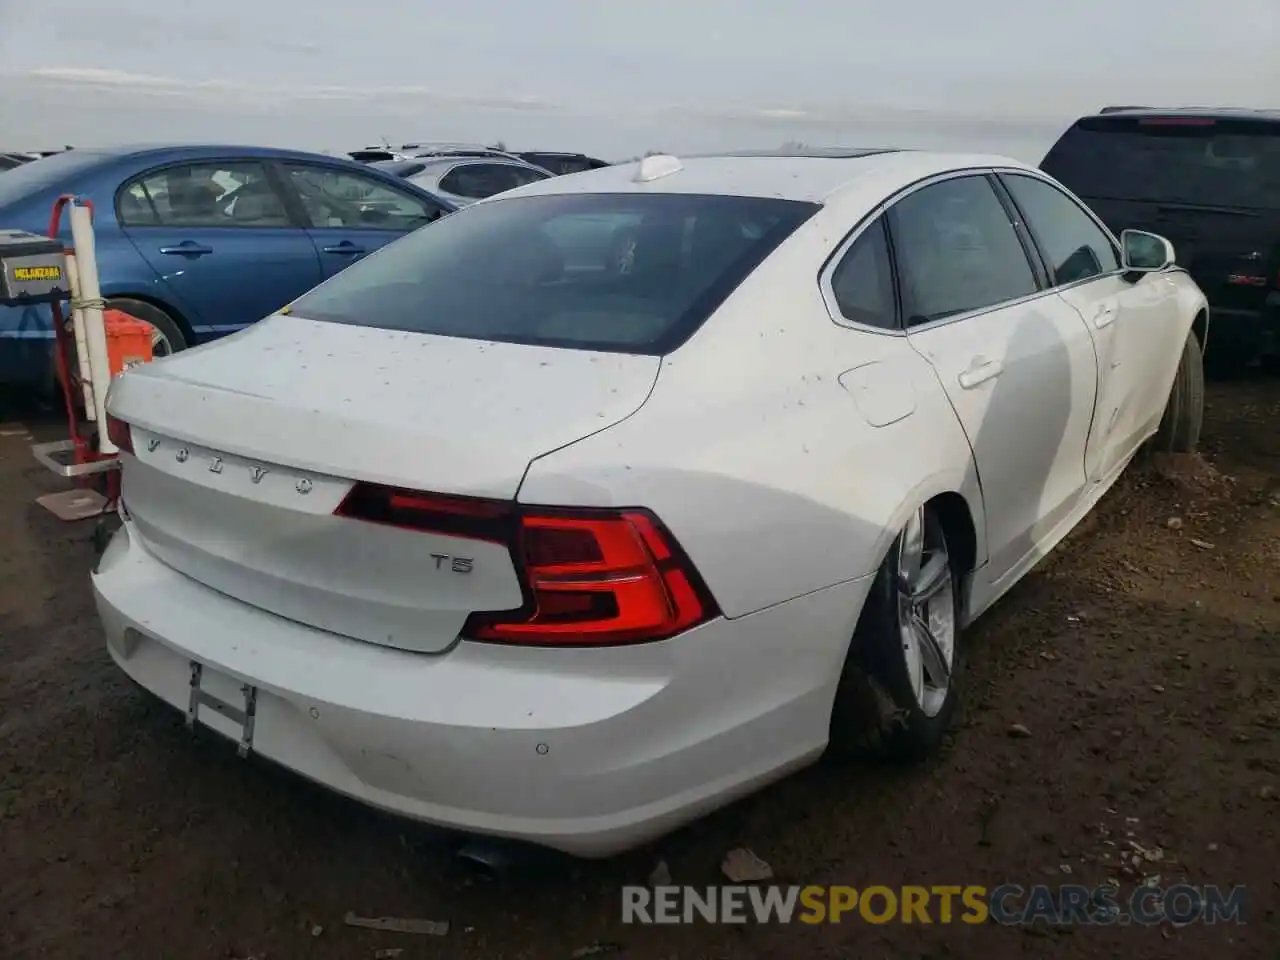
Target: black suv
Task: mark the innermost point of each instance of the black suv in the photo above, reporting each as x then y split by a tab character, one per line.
1209	180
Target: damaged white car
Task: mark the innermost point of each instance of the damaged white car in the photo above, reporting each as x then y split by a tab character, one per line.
598	504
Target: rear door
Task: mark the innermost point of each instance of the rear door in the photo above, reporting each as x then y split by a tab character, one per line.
350	215
1124	316
1211	185
218	234
1016	361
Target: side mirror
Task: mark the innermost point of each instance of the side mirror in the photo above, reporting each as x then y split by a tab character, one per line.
1144	252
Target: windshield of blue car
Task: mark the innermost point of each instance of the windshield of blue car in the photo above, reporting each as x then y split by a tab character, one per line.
30	178
629	273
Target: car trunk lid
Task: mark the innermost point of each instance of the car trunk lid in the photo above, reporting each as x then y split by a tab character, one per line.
244	450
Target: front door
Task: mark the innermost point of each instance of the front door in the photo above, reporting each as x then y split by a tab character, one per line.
1016	362
219	236
1122	316
351	215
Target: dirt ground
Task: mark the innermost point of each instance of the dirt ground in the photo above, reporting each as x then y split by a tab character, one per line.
1143	659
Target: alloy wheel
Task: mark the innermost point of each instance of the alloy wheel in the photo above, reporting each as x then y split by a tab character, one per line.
926	611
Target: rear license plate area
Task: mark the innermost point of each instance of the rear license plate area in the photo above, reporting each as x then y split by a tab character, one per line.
215	695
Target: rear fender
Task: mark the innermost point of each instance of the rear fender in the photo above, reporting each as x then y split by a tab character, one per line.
953	481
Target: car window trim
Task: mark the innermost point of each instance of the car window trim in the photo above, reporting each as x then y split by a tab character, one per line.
1002	172
307	223
262	162
901	330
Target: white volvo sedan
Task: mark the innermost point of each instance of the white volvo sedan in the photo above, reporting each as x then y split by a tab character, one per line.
596	505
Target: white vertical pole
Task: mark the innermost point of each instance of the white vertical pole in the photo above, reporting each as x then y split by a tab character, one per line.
82	349
95	330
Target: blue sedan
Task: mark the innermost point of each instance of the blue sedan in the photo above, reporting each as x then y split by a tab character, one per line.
201	241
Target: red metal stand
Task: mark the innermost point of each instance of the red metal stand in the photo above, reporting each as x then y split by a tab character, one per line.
87	467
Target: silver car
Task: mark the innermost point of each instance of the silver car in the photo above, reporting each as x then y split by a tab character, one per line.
462	179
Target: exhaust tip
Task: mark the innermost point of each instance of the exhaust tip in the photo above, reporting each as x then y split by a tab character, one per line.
503	858
490	857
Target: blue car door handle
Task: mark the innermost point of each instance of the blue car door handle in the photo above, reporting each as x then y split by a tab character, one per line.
345	247
187	248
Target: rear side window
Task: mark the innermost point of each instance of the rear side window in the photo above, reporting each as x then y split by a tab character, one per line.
479	180
957	250
1228	163
350	200
631	273
863	281
1075	246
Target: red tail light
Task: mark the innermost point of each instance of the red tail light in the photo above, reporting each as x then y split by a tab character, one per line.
591	577
119	433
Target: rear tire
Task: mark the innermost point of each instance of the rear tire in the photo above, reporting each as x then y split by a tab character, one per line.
169	337
890	704
1180	427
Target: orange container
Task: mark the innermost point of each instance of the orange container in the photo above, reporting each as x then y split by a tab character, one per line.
128	340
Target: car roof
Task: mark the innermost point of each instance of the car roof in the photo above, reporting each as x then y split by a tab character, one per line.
811	176
1202	113
558	154
432	163
122	151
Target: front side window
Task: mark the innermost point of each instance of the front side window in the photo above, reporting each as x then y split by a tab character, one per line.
352	201
1075	247
198	195
633	273
957	250
863	281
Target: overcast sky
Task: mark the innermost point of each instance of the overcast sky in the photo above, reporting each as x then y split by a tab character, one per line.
616	77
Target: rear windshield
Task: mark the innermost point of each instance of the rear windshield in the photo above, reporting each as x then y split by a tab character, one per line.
630	273
1228	163
30	178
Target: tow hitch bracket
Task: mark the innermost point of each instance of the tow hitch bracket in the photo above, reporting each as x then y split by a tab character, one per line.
242	715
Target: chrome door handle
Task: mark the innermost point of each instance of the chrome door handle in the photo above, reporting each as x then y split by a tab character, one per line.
345	247
980	371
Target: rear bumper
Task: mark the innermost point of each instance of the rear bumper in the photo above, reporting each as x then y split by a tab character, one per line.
589	752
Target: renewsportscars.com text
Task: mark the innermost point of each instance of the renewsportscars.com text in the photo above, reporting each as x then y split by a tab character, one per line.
1008	904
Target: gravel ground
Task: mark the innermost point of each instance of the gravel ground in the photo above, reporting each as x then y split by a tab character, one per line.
1141	662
